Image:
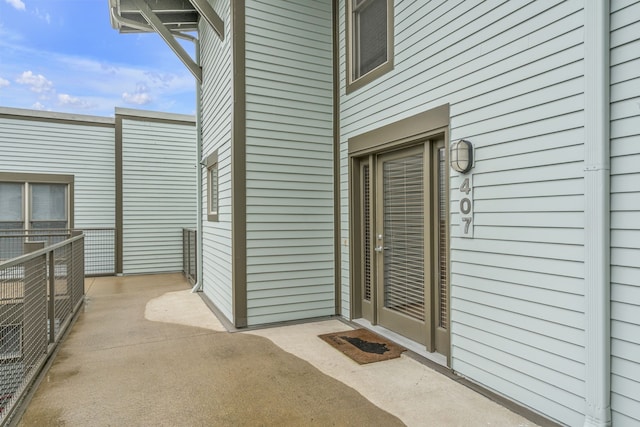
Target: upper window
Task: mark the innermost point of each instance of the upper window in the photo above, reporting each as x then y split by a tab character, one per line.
369	41
212	187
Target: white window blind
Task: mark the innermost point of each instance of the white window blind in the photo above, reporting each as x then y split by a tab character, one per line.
48	205
442	239
403	195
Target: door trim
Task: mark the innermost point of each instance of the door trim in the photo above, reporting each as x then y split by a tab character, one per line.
403	132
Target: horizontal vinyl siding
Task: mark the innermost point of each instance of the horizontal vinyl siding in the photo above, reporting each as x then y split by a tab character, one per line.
80	149
217	106
512	74
158	193
625	211
290	270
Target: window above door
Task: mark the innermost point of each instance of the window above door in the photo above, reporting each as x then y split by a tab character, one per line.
369	41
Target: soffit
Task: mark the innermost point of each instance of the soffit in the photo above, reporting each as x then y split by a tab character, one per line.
175	15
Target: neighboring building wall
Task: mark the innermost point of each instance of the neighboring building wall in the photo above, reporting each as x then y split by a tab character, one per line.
513	76
290	213
53	143
217	107
625	211
158	189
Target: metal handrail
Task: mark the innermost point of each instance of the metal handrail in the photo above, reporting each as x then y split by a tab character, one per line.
28	257
100	245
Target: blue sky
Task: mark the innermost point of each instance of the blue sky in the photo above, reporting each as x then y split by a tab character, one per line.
63	56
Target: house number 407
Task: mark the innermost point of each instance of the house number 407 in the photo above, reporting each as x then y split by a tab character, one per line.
466	206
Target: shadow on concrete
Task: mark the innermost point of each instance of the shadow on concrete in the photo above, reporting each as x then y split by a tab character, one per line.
118	368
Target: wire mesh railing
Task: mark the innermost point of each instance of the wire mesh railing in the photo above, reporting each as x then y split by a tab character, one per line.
100	246
189	254
40	293
100	251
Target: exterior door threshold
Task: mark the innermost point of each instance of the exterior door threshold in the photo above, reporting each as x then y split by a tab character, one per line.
415	347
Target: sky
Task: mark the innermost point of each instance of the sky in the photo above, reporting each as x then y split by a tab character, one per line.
63	56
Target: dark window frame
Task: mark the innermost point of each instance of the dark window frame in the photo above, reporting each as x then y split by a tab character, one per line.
355	81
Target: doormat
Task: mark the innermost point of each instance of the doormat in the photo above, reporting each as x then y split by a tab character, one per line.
363	346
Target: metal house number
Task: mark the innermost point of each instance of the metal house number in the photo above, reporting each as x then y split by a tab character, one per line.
466	206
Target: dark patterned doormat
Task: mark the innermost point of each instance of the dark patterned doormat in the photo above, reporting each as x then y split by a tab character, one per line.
363	346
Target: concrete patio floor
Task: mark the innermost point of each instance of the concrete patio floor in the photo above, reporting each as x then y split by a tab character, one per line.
146	351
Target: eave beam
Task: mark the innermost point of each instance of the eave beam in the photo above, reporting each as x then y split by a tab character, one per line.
168	37
206	11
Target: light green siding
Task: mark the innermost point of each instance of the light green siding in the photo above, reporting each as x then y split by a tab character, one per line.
625	212
54	143
217	107
512	74
158	193
290	273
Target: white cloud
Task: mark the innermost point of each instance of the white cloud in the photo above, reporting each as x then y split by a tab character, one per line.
72	101
37	83
141	95
136	98
161	80
4	82
101	85
43	15
38	106
18	4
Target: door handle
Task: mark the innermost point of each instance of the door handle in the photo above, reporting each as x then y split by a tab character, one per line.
379	248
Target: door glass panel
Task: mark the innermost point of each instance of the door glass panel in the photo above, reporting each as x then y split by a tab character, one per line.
403	217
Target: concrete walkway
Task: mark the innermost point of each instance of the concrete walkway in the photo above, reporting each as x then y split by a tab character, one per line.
147	352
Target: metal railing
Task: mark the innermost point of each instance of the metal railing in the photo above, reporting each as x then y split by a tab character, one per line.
100	246
40	293
99	251
190	254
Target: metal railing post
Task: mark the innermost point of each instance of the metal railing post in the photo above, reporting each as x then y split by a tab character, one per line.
185	257
52	296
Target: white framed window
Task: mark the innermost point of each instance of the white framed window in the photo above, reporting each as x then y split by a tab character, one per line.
212	186
369	41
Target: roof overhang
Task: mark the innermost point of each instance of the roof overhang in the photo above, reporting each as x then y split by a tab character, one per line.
171	19
175	15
